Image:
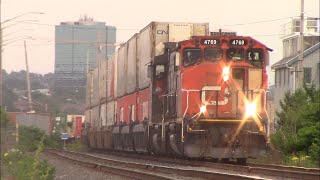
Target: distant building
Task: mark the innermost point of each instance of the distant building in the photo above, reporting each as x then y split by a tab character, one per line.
42	121
286	68
78	47
271	110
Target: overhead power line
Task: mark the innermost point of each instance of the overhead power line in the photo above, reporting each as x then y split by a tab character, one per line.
257	22
83	27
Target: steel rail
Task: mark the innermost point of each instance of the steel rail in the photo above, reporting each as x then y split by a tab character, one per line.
151	168
250	168
131	173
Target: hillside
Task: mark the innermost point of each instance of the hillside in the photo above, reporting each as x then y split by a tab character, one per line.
44	95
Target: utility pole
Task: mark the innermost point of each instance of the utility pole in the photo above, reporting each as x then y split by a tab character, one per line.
1	88
28	78
300	61
88	60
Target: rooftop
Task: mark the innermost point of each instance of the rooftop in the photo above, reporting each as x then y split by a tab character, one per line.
293	59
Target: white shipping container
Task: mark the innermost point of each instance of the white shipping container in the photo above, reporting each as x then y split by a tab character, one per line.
110	113
95	116
160	32
200	29
103	79
144	56
88	116
96	94
132	65
122	69
180	32
89	89
103	114
111	76
115	73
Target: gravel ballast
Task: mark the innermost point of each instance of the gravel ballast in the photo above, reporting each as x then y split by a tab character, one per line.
66	170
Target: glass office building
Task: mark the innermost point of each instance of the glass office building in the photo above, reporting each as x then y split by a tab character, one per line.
78	47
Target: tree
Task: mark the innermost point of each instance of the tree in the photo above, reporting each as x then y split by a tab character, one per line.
3	118
299	125
29	138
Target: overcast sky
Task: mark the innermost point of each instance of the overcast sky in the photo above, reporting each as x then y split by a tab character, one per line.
129	16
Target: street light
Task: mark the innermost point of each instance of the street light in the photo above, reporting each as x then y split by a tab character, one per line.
18	22
1	23
20	16
17	39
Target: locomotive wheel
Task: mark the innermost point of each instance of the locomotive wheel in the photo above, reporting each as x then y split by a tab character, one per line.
242	161
225	160
215	160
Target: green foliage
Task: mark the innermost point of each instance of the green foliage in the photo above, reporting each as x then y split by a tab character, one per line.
54	141
29	138
40	170
24	167
76	146
298	129
3	118
16	86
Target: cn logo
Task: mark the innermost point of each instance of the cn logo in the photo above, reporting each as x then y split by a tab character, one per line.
162	32
213	102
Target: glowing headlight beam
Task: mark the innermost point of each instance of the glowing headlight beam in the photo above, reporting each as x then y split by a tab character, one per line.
251	109
225	77
226	71
203	109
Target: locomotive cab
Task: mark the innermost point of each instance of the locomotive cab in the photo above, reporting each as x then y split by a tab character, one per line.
213	97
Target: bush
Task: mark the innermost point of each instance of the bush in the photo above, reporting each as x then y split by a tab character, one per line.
24	167
76	146
29	138
298	129
53	141
3	118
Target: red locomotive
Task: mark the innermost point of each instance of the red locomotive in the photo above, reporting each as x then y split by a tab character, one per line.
201	96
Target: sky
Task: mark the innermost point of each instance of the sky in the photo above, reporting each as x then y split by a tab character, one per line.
260	19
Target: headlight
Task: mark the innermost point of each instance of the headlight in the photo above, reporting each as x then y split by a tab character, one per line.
225	73
225	77
250	109
203	109
226	70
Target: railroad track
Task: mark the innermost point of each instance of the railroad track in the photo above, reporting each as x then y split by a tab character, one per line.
264	170
142	170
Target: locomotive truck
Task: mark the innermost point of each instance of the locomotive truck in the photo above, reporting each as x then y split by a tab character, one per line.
174	89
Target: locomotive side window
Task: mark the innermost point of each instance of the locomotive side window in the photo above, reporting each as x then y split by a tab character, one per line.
160	71
255	57
235	54
191	56
213	54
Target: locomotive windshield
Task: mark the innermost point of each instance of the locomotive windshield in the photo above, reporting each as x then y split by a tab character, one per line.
255	57
213	54
191	56
235	54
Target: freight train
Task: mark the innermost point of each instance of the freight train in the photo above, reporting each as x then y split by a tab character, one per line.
173	89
